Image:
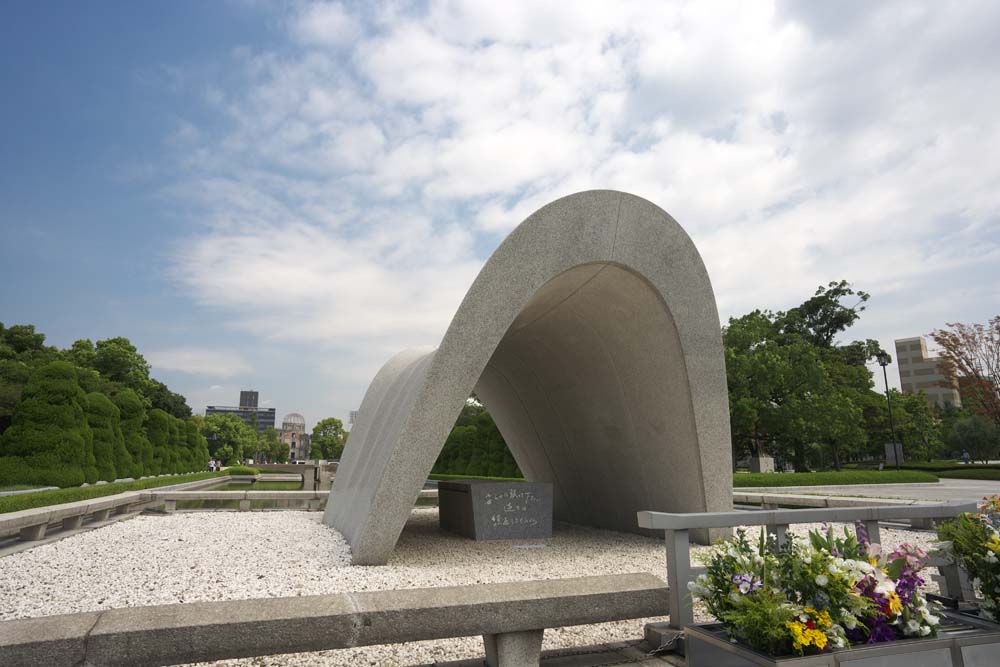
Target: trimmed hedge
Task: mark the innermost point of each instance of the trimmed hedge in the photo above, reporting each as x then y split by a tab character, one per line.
241	470
947	467
832	478
971	473
58	496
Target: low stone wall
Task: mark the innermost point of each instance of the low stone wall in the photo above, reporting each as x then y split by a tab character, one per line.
510	616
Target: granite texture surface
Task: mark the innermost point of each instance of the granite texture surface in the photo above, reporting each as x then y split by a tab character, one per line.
592	337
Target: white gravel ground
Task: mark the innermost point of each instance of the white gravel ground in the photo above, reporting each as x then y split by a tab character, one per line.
230	556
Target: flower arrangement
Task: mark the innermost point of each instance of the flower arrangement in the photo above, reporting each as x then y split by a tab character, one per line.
816	595
973	540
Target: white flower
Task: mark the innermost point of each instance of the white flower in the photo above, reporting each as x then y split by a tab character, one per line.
849	621
867	568
734	596
912	627
991	557
822	580
832	568
924	631
885	586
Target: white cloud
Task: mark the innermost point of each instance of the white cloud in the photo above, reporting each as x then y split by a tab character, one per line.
325	23
198	361
358	189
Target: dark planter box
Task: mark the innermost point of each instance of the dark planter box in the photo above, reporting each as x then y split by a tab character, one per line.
962	642
484	510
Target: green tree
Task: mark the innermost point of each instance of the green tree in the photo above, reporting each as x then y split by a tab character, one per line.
978	435
133	418
158	428
104	420
23	338
791	386
270	448
197	446
81	353
49	441
328	439
161	397
119	361
971	356
475	446
229	437
177	449
14	376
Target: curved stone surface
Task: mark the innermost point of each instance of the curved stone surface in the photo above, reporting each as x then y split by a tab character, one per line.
592	337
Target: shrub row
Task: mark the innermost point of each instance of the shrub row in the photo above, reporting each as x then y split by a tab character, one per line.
242	470
972	473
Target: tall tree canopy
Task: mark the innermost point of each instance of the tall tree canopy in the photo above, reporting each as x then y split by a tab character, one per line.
229	437
791	385
328	439
971	354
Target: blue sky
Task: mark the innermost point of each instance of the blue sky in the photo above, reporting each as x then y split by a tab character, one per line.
282	195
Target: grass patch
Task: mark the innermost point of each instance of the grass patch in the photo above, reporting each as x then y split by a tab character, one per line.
833	478
491	479
948	467
58	496
969	472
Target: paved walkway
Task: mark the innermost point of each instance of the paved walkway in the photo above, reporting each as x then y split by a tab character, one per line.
971	490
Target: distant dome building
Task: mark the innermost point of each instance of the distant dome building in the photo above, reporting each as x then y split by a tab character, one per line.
293	433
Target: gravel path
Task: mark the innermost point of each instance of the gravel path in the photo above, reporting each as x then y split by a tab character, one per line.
189	557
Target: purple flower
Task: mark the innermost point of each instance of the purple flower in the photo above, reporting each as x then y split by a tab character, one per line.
746	582
880	631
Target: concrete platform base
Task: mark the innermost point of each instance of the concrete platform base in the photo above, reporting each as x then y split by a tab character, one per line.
598	655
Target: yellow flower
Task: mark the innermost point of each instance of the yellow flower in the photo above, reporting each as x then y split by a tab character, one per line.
803	636
822	617
895	606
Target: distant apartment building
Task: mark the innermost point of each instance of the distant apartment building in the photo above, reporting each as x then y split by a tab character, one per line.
293	433
247	411
918	371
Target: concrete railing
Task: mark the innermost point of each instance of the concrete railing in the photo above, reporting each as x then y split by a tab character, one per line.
771	500
307	499
32	524
511	617
676	528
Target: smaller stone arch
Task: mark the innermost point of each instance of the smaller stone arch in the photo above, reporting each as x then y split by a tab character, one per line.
592	336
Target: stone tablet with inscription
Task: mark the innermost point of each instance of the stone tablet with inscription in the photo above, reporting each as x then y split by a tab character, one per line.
484	510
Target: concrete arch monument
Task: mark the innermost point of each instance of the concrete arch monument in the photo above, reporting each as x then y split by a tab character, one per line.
592	337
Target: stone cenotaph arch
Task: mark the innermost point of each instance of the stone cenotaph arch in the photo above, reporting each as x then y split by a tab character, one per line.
592	337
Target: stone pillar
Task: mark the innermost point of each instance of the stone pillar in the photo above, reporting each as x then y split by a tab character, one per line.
244	505
72	522
102	515
514	649
31	533
761	464
169	506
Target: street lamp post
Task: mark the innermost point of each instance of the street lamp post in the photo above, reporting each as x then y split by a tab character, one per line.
883	360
